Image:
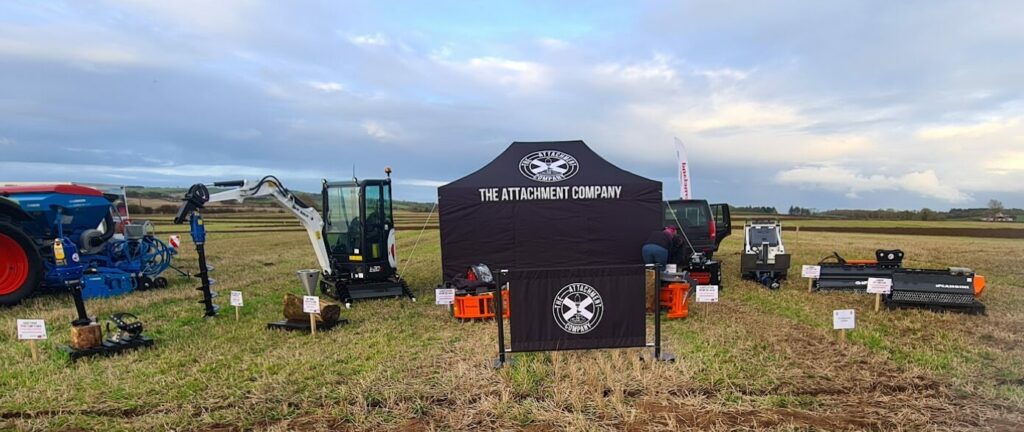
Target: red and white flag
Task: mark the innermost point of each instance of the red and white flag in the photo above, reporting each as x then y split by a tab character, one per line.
175	241
684	170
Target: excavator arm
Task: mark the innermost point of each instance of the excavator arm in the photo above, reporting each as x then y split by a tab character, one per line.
198	196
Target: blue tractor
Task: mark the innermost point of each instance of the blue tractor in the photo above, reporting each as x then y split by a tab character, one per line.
117	256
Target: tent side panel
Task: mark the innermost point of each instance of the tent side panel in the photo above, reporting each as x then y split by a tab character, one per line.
472	233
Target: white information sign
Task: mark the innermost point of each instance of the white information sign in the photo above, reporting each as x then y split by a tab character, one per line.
444	296
707	293
879	285
811	271
236	298
31	329
843	319
311	304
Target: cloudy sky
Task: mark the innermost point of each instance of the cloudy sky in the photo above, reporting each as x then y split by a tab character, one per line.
853	104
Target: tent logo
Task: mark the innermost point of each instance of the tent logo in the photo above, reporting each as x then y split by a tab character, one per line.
577	308
549	166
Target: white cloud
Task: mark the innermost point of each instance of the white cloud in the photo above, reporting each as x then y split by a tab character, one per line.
222	17
840	179
656	69
1006	162
724	74
375	39
377	131
737	113
326	87
553	44
969	131
205	172
524	75
421	183
6	142
31	44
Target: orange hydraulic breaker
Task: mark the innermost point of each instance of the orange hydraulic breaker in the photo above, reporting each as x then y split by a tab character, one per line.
479	306
674	296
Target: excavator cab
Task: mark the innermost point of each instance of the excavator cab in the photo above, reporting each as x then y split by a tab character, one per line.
359	230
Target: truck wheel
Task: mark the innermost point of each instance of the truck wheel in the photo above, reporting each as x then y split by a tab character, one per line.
20	265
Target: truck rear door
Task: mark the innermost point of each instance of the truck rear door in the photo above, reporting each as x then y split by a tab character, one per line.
723	222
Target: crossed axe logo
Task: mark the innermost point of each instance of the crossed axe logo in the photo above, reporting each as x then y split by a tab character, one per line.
573	309
558	166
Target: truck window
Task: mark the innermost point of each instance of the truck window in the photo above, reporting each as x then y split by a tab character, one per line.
689	215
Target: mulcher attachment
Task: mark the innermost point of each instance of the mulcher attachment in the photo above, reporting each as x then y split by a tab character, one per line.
840	274
954	289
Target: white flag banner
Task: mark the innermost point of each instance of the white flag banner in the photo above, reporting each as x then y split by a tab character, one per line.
684	170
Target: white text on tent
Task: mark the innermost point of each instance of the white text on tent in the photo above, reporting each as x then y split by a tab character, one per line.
549	193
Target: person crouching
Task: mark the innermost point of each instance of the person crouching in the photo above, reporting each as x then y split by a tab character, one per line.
659	243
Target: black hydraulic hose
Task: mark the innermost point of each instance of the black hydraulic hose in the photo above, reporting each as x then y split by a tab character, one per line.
108	221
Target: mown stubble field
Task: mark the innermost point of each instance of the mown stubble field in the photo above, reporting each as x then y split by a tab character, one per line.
759	359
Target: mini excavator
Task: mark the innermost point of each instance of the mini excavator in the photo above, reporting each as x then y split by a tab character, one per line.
354	245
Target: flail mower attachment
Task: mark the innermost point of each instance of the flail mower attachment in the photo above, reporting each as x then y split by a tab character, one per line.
840	274
764	257
953	289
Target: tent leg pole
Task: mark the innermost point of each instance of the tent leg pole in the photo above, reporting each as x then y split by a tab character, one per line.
659	355
499	316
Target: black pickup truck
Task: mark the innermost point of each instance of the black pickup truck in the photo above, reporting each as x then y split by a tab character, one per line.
705	226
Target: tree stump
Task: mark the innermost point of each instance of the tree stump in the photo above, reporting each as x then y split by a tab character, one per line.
329	312
87	336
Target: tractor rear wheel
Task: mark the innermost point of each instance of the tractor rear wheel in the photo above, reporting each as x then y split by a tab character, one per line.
20	265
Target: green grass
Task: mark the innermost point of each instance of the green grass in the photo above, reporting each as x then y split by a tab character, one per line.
758	356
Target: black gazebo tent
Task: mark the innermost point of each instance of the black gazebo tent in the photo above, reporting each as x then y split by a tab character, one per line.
546	205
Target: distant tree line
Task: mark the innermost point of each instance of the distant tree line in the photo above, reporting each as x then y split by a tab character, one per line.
924	214
800	211
754	209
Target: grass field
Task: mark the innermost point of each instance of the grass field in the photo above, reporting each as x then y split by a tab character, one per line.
759	359
406	220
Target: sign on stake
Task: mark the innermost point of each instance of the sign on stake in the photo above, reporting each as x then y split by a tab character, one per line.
811	272
707	294
879	286
32	330
843	319
444	296
236	301
311	305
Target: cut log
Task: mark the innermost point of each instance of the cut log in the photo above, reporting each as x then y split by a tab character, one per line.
87	336
329	312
